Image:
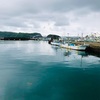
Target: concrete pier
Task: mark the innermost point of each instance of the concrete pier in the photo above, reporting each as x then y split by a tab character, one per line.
93	46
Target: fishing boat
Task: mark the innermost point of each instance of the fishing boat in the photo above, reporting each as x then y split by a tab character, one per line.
74	47
56	43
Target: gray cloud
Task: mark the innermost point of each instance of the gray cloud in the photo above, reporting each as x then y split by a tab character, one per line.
68	5
32	14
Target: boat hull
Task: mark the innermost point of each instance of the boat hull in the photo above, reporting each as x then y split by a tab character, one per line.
80	47
56	44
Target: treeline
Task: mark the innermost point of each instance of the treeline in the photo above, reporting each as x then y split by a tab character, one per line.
52	36
18	36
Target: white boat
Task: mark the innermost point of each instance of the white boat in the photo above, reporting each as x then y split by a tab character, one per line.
74	47
56	43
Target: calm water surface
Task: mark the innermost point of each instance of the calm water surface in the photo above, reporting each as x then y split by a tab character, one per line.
32	70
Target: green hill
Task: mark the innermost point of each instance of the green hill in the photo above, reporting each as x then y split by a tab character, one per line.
53	36
17	36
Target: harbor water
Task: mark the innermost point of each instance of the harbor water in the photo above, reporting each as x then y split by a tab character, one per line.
35	70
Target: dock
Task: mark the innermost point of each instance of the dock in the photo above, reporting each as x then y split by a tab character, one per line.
93	46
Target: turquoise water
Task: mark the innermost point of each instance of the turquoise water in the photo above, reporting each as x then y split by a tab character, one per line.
32	70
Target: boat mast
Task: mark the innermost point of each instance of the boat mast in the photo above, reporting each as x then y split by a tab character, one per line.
68	38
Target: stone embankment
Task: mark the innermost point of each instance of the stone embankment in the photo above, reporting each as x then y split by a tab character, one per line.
93	46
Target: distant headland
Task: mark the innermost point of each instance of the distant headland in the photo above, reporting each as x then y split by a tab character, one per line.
4	35
18	36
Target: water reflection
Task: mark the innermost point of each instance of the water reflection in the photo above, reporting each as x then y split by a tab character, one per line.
82	53
80	59
31	70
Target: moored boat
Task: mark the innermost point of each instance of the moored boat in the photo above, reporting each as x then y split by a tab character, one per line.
56	43
74	47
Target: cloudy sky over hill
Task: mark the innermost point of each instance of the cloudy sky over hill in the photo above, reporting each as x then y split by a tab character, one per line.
50	16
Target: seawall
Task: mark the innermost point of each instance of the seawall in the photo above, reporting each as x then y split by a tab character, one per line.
93	46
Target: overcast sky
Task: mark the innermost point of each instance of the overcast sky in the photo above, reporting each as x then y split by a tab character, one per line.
50	16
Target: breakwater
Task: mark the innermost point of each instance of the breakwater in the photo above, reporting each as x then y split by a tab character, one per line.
94	47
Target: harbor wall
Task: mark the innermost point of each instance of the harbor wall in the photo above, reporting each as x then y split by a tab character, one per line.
93	46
